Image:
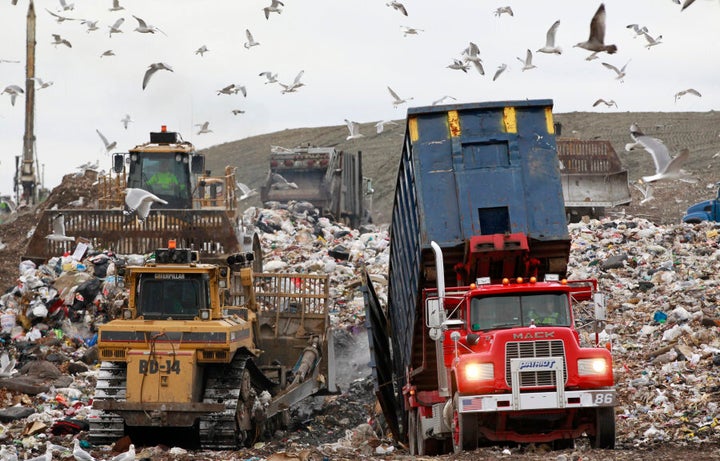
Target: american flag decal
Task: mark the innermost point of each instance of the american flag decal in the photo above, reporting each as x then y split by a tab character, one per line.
472	404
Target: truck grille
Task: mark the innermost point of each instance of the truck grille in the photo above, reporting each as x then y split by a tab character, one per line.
532	349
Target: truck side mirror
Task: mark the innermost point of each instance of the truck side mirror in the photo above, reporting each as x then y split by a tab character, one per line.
434	313
197	164
118	163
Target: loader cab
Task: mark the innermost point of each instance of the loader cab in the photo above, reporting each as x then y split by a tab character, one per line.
176	296
165	174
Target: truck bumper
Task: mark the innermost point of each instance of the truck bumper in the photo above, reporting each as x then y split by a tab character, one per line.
159	414
537	401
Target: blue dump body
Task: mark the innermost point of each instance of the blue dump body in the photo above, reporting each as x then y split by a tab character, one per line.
466	170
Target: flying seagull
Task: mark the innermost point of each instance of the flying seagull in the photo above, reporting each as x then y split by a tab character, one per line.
380	126
291	88
107	53
13	91
527	62
608	103
58	233
230	89
665	166
108	145
67	6
115	28
237	111
271	78
596	40
397	6
410	31
246	191
442	100
686	4
646	192
126	120
458	65
620	72
637	29
472	54
550	47
204	128
58	40
397	100
154	67
145	28
501	68
251	41
354	129
504	9
202	50
682	93
273	8
59	18
277	181
139	201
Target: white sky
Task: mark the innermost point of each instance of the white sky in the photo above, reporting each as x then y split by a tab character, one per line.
350	50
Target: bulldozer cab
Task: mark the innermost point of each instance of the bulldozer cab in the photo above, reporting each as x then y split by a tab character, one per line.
165	174
179	296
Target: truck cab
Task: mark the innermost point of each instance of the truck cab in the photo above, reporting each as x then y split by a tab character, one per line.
707	210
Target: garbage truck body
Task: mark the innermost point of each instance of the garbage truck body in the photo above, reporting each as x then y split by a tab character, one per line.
462	354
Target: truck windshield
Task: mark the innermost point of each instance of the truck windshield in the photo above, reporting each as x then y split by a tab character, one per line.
495	312
163	175
179	296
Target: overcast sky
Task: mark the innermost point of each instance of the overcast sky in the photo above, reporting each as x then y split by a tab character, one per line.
350	52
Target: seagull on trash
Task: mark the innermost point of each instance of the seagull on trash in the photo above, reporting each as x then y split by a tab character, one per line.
246	191
58	40
251	41
501	68
472	54
202	50
47	456
8	453
397	6
13	91
354	129
665	166
7	366
79	454
646	192
58	233
380	126
108	145
596	40
504	9
279	182
291	88
139	202
126	120
144	28
442	100
527	62
128	455
154	67
607	103
115	28
550	40
204	128
273	8
397	100
271	78
682	93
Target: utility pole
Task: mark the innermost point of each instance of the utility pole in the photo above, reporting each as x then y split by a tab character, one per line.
28	178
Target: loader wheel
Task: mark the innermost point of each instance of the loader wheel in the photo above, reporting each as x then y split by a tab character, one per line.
464	429
604	428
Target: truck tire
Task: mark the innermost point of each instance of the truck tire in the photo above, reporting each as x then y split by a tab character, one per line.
413	432
604	428
464	429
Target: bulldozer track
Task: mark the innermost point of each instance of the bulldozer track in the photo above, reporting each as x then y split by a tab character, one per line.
111	384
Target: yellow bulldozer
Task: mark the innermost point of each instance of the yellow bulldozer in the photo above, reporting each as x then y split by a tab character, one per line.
200	210
217	349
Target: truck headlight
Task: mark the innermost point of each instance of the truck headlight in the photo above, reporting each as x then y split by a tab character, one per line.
204	314
596	366
478	371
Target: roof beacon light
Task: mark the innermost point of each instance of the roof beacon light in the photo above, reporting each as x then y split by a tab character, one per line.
163	128
172	244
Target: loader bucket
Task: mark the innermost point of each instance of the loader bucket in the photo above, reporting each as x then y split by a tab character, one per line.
211	232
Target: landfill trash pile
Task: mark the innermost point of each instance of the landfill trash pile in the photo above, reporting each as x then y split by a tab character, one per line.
662	301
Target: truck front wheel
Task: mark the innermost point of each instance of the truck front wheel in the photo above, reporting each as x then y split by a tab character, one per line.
604	428
464	429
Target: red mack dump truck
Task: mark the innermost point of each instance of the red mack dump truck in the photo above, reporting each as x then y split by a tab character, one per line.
477	343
